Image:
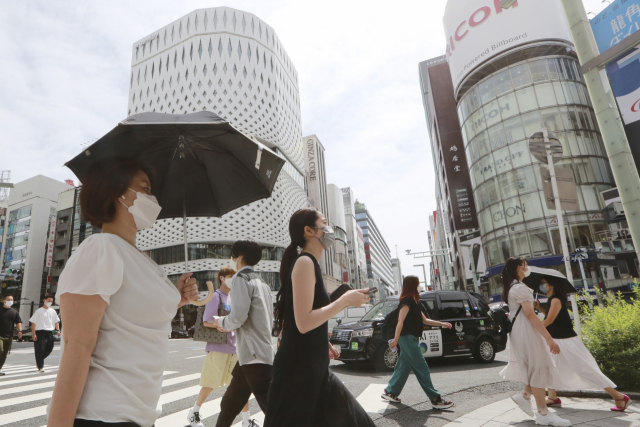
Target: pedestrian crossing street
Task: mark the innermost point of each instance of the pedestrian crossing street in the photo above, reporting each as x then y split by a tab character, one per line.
23	384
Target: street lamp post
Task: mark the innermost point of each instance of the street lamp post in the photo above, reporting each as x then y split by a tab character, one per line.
429	254
424	272
550	149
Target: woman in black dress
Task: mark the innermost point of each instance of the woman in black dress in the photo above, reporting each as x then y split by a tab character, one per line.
304	392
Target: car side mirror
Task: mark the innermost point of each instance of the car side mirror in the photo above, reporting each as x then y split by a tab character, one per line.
339	320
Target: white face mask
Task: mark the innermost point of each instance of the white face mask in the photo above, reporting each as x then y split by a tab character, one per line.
329	237
544	288
48	304
145	210
227	282
8	303
235	265
527	271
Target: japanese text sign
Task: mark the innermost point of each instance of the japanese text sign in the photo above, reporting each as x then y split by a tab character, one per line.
615	23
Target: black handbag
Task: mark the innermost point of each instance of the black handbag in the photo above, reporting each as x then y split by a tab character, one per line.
202	333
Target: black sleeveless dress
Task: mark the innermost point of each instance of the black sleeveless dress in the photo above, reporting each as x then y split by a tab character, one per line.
304	392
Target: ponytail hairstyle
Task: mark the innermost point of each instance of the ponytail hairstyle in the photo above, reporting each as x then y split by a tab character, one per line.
509	275
299	220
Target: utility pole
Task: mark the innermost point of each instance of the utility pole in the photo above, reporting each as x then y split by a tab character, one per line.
551	148
616	144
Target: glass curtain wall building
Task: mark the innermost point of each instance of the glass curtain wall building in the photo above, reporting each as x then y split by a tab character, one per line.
498	114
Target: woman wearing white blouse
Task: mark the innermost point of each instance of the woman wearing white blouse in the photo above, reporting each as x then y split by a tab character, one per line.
117	305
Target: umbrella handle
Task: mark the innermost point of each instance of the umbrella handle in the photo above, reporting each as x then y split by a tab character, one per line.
208	298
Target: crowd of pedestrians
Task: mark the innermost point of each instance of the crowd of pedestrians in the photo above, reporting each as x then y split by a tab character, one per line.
117	305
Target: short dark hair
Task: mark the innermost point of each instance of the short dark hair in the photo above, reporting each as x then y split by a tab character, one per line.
102	185
4	297
249	249
47	296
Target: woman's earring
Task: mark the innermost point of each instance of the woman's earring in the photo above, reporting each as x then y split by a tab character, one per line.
122	197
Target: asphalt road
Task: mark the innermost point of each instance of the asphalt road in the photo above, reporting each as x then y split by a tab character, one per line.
24	393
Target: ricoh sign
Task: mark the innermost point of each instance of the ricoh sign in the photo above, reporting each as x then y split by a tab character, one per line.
477	30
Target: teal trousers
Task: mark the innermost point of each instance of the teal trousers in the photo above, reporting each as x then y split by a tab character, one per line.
411	359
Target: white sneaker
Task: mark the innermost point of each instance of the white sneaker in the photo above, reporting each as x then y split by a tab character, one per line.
523	403
551	419
194	419
41	371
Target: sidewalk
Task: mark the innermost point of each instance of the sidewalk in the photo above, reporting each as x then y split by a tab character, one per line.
581	412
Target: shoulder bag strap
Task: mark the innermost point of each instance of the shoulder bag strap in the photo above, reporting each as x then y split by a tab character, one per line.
516	316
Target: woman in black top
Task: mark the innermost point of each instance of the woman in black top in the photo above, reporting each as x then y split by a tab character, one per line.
407	336
304	392
577	367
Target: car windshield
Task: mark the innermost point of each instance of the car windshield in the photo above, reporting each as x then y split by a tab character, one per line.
380	311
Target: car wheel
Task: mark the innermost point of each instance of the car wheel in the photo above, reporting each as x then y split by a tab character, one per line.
386	359
485	351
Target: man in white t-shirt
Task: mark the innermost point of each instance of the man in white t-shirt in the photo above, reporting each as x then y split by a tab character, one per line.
43	322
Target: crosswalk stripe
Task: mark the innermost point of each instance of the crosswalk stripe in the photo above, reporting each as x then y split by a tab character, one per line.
41	410
371	401
25	399
179	394
195	357
33	369
178	380
14	417
13	367
30	387
27	380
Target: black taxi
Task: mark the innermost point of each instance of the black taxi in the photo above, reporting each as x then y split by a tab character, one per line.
473	331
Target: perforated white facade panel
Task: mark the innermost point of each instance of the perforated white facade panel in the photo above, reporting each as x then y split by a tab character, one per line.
232	63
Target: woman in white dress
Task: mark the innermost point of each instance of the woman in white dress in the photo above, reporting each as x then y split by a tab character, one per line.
530	362
117	305
577	367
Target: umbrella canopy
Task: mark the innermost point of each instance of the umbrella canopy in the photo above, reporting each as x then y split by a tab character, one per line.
199	158
537	274
201	166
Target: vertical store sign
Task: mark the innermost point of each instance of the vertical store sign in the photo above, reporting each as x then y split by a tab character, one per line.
52	237
615	23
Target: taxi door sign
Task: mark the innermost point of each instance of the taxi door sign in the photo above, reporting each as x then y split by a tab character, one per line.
431	343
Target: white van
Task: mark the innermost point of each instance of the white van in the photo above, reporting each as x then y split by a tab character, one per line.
348	315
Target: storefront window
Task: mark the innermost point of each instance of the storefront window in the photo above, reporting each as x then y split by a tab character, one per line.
540	242
520	75
502	82
532	206
545	94
513	210
539	71
513	129
520	245
527	99
581	236
499	115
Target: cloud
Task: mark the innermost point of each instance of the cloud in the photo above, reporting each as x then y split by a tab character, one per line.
66	69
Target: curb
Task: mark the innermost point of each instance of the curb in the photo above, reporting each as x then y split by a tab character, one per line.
594	394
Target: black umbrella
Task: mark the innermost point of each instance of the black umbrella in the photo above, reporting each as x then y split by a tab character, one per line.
537	274
201	165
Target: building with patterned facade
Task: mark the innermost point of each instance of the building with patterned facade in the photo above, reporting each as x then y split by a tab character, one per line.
232	63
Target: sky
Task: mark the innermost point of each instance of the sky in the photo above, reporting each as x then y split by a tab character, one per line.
65	71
